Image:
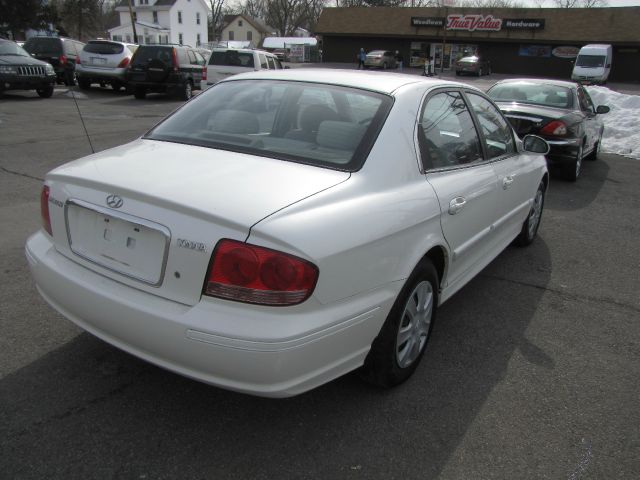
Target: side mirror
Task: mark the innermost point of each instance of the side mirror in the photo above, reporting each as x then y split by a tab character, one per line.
535	144
602	109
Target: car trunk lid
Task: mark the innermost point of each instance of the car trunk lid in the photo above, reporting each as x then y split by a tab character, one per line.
148	214
529	119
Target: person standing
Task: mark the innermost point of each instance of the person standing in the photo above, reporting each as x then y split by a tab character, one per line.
361	58
399	60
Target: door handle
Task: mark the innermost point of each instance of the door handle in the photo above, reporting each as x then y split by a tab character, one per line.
507	181
456	205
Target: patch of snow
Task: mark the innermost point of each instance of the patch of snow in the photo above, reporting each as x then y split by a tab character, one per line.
621	124
78	95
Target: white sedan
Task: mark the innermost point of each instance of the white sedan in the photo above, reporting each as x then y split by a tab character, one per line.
285	228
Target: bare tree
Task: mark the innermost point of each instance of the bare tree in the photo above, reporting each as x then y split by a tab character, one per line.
216	18
254	8
566	3
594	3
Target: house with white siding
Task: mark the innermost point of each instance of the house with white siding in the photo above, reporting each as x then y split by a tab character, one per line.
163	21
244	28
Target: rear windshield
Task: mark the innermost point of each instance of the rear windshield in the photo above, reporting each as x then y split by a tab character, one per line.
43	45
145	54
535	94
376	52
590	61
232	58
316	124
104	48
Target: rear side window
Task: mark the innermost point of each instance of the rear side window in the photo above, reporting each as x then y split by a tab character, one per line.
44	45
69	48
447	135
272	65
104	48
232	58
263	62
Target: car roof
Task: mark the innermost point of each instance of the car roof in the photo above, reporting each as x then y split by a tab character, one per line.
376	81
540	81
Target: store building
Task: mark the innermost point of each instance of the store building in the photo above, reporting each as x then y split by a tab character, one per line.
521	41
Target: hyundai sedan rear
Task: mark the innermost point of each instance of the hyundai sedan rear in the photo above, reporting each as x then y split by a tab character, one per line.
283	229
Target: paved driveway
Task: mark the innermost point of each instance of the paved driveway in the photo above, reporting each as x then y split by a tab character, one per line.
532	371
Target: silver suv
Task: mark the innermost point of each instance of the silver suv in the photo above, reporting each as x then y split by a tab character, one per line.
104	61
225	62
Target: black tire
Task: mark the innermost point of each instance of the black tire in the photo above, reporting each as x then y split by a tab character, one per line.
84	83
45	92
391	360
480	72
116	85
187	91
140	93
385	66
457	73
532	223
573	168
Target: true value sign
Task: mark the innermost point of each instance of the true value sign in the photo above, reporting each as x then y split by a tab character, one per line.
481	23
473	23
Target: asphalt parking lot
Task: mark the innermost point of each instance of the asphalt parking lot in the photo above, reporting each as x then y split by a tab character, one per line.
532	370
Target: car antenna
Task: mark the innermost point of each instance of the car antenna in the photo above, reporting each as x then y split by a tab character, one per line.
81	119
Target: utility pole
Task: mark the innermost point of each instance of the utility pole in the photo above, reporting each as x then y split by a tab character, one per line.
133	23
444	37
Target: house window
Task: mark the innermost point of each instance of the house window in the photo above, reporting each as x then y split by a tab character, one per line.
155	17
128	38
239	23
198	40
180	38
179	17
249	35
116	38
230	34
198	18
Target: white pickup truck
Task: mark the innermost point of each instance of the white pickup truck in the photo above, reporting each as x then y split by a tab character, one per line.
225	62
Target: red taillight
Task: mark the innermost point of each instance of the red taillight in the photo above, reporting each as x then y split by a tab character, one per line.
204	73
124	62
555	128
174	55
252	274
63	60
78	62
44	209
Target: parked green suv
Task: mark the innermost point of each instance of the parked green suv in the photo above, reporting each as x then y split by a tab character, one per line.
19	71
172	69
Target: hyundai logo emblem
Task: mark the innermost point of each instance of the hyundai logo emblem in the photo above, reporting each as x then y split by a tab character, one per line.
114	201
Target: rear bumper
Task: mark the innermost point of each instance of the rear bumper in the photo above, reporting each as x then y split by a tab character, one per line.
274	352
100	74
563	151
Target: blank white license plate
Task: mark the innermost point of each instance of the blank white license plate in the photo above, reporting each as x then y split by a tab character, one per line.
135	249
98	60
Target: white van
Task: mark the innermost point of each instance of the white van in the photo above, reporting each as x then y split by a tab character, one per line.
593	64
225	62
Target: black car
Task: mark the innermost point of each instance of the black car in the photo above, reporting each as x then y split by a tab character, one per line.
62	53
173	69
560	112
19	71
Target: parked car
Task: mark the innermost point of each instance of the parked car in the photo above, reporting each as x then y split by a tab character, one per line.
19	71
103	61
62	53
173	69
380	59
284	228
282	54
225	62
560	112
473	65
